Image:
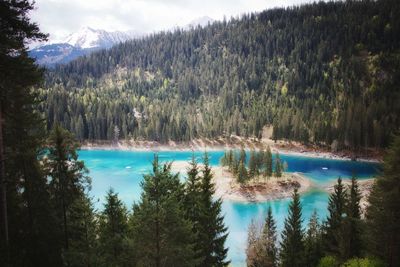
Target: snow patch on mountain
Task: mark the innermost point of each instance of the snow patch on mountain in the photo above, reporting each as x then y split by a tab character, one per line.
87	37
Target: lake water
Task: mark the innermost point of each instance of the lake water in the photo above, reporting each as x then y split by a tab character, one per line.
123	171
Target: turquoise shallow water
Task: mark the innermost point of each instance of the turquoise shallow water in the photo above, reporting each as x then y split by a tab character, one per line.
123	171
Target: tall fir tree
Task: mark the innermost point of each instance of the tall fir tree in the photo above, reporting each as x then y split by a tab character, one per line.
113	232
213	232
68	178
351	237
278	166
18	73
268	163
313	242
161	233
83	249
269	252
192	202
383	212
292	244
333	228
253	164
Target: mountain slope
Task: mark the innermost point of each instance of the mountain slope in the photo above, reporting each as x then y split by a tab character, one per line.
325	73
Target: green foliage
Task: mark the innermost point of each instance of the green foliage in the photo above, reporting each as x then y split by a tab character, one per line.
278	166
82	249
365	262
383	213
261	243
313	242
113	232
317	73
26	229
161	233
351	240
260	163
68	180
253	164
328	261
212	231
268	163
292	244
333	234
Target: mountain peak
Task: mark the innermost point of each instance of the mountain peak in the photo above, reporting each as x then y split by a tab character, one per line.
87	37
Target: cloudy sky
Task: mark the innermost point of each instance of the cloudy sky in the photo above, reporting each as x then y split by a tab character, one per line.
62	17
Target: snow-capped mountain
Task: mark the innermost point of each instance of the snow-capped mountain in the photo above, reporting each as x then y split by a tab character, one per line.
87	37
82	42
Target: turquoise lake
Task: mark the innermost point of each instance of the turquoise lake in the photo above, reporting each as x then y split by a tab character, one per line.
123	171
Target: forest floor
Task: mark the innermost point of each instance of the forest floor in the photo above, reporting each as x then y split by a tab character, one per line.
236	142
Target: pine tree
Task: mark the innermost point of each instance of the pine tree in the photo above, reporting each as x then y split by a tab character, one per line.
312	242
351	241
253	166
383	217
161	233
333	227
242	175
292	244
268	163
68	177
113	231
82	227
278	166
192	202
269	252
18	73
213	232
242	155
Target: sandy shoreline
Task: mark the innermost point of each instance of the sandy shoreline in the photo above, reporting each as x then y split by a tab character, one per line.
217	145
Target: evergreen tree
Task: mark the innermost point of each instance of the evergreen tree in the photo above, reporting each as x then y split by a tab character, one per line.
312	242
268	241
268	163
351	244
162	235
68	177
242	155
18	73
383	212
113	232
253	165
192	202
278	166
337	211
213	232
82	250
292	244
242	175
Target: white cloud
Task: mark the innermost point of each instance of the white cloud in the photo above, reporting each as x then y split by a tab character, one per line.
62	17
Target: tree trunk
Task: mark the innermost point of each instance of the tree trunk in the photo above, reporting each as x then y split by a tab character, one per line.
3	191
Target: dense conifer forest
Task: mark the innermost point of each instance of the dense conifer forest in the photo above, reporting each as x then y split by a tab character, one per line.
321	73
185	84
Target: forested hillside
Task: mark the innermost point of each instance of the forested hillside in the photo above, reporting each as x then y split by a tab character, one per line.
317	73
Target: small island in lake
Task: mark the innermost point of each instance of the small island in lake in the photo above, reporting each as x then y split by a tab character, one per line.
256	190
